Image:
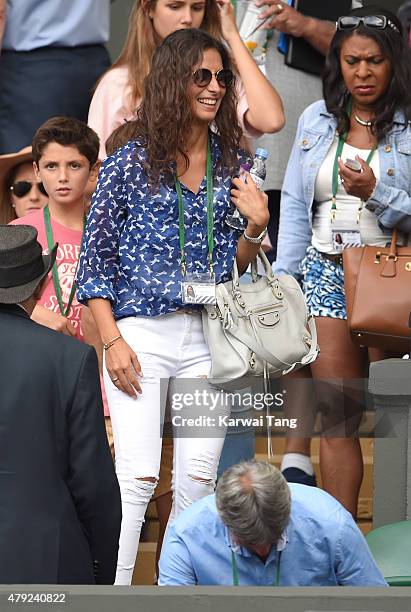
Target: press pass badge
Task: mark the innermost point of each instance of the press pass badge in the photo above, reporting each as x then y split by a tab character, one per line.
198	289
344	238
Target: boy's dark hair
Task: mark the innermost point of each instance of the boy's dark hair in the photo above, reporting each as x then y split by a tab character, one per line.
67	132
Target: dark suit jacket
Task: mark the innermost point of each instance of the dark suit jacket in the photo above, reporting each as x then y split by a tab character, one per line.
60	510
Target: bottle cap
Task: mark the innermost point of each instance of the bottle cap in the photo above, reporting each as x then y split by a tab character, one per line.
262	153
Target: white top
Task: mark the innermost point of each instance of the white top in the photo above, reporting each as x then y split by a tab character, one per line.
347	206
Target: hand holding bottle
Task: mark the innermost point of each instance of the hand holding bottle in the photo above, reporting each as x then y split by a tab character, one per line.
257	173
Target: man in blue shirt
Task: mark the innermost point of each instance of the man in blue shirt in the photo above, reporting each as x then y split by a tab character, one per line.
52	54
259	530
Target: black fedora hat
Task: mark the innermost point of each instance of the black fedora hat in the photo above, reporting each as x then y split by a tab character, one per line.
22	264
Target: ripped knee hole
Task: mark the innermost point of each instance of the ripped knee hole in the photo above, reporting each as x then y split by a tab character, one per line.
206	481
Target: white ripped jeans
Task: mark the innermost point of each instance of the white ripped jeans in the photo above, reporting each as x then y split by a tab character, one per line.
170	345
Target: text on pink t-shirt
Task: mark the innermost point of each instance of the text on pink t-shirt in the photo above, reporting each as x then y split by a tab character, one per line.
69	241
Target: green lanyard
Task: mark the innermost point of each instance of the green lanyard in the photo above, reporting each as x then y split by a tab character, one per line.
341	143
56	281
275	582
210	215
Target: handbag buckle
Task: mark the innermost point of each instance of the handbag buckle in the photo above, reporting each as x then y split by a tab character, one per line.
239	298
408	266
227	317
377	259
252	360
391	256
275	286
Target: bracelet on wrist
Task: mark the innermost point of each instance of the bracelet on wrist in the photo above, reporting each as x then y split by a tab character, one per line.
110	343
255	239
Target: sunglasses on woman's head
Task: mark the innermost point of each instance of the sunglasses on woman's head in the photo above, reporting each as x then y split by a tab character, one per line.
22	188
377	22
202	77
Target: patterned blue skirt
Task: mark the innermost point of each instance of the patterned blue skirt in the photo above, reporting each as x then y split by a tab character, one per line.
323	285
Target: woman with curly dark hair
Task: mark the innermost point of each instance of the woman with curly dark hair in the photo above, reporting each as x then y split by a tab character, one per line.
119	92
155	246
347	184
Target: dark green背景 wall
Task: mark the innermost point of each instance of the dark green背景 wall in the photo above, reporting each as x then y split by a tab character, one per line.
120	11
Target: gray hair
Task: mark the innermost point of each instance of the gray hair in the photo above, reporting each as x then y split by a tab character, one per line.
253	500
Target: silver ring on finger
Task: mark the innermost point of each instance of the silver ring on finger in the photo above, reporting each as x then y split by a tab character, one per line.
280	8
113	380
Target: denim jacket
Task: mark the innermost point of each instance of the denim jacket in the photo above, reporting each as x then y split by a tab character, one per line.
390	201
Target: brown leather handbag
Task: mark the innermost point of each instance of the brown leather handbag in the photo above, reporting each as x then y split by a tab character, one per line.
377	283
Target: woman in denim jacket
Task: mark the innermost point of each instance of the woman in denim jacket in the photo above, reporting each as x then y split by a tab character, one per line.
348	182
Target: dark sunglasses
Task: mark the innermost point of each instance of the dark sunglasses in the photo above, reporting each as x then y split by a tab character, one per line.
202	77
377	22
22	188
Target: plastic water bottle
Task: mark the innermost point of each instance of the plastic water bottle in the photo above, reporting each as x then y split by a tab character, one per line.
254	39
258	170
258	173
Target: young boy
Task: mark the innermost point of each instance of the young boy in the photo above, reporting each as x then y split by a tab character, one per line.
65	153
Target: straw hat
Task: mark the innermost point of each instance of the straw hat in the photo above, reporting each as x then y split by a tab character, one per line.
11	160
7	163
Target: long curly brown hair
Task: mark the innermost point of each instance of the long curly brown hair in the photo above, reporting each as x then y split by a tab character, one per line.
165	117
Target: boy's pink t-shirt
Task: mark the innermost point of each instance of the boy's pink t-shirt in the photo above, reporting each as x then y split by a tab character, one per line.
68	252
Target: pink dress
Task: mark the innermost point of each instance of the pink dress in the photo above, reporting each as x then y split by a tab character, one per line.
111	106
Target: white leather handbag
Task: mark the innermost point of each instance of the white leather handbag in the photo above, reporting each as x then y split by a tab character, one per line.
259	329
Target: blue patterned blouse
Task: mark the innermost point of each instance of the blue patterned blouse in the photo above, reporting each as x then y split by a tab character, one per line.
131	252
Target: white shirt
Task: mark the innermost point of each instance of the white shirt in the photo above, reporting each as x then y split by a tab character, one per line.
347	205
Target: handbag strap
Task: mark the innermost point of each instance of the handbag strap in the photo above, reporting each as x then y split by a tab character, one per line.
267	267
267	392
390	267
226	306
394	243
